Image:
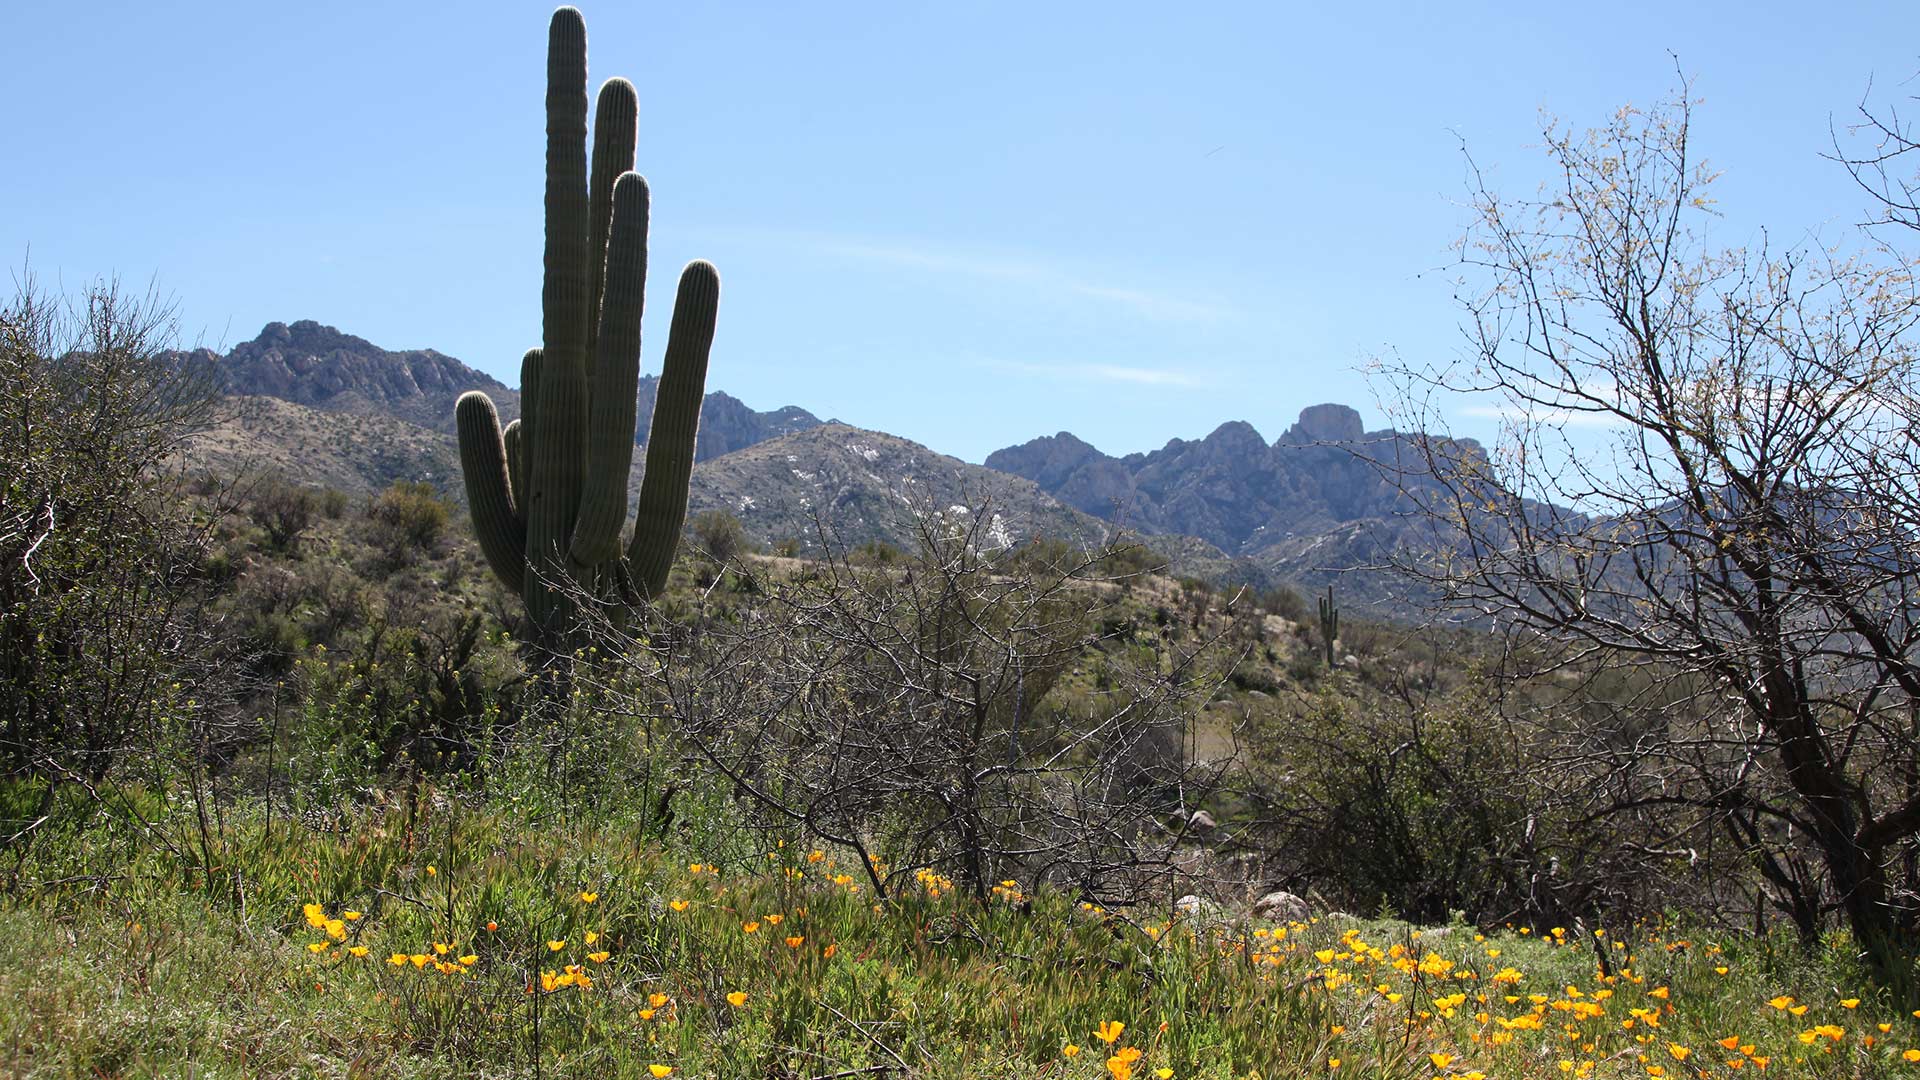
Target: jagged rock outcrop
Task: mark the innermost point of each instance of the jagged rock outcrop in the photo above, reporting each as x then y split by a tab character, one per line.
1232	488
1326	424
1326	495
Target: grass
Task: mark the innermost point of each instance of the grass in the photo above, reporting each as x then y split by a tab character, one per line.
469	935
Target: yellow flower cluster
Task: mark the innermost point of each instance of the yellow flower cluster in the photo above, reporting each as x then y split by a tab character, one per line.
1468	1006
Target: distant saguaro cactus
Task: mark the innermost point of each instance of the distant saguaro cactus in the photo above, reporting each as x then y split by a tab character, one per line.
1329	622
549	494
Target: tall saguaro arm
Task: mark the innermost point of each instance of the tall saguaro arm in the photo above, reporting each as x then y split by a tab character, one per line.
548	494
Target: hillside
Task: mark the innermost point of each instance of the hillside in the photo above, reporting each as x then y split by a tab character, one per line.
869	485
866	485
355	453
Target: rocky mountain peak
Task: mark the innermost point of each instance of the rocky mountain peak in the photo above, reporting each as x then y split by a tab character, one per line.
1327	423
310	363
1235	437
309	337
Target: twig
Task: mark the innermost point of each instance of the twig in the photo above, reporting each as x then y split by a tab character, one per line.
870	1037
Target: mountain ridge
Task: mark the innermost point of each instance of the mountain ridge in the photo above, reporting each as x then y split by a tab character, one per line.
1318	505
309	363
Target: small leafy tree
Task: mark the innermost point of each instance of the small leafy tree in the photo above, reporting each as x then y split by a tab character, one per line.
719	536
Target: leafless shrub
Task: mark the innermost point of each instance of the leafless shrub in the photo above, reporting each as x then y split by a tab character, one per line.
955	712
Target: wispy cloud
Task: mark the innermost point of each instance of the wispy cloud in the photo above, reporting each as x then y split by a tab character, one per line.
1115	373
1033	272
1147	376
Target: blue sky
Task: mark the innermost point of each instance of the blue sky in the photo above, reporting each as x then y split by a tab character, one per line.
968	224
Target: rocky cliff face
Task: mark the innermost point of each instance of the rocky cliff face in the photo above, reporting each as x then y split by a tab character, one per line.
310	364
320	367
1326	494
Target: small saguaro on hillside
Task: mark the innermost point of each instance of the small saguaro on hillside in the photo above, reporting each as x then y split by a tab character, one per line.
549	494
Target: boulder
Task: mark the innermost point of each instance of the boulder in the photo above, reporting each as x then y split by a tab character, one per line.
1281	906
1195	906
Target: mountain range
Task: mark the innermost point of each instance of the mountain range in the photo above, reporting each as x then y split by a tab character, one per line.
1324	499
1320	503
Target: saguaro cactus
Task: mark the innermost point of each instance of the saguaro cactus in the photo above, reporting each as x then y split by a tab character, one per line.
1329	623
549	494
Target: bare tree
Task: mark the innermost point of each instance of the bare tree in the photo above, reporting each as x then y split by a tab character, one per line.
1708	470
1883	157
911	712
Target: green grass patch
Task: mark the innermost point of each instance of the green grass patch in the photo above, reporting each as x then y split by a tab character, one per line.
470	944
